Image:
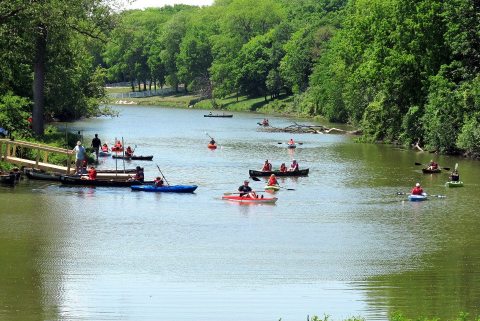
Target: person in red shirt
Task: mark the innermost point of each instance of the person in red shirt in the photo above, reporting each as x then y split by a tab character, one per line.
129	152
272	181
432	165
293	166
158	181
417	190
267	167
283	168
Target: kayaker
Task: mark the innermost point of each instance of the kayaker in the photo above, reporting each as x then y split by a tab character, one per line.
267	167
272	181
212	141
158	181
291	142
455	176
118	146
105	148
245	189
129	152
432	165
417	190
80	155
283	168
96	143
139	175
293	166
265	122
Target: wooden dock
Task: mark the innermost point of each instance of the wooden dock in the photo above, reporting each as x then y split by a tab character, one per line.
11	152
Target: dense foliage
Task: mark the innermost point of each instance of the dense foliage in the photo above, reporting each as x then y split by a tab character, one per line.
401	70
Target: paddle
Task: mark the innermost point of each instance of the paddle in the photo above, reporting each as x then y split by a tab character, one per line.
233	193
428	195
288	189
445	168
299	144
256	179
162	174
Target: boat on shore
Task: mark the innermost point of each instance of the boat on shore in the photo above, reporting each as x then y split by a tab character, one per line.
8	179
165	189
146	158
219	115
301	172
78	181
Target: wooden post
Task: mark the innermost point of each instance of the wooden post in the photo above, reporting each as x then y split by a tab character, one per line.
69	162
37	158
7	152
14	152
45	158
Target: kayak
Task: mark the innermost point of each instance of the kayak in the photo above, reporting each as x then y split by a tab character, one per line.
165	189
104	153
291	146
454	184
272	188
247	199
417	198
301	172
431	171
212	146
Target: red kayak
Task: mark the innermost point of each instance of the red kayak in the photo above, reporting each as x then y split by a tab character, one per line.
212	146
248	199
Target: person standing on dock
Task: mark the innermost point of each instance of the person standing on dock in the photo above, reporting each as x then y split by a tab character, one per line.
80	156
96	143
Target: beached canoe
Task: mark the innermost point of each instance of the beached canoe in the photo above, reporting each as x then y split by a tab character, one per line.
250	200
165	189
272	188
301	172
219	115
149	158
417	198
431	171
454	184
76	180
212	146
8	179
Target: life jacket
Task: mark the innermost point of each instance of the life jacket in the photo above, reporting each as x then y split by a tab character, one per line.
92	174
417	191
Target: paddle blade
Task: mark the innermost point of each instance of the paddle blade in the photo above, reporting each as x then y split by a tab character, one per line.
456	166
279	143
418	163
256	179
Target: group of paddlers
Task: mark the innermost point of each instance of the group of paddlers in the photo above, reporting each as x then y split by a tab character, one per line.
454	177
267	167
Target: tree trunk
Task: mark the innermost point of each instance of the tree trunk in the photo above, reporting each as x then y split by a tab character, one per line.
139	86
144	85
39	82
133	86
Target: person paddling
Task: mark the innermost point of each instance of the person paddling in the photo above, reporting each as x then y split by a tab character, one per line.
272	181
432	165
293	166
283	168
105	148
455	176
417	190
291	142
212	141
158	181
129	152
246	190
139	175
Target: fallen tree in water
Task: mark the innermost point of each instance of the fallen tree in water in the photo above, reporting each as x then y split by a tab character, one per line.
312	129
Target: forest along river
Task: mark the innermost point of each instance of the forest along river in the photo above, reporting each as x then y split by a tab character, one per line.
342	244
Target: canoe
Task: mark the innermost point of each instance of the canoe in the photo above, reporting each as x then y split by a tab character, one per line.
454	184
104	153
272	188
291	146
301	172
212	146
120	171
431	171
133	157
165	189
218	115
417	198
75	180
244	199
31	174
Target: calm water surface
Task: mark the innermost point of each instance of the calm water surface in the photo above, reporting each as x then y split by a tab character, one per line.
342	244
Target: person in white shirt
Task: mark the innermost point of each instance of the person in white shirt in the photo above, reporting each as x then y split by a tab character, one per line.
80	155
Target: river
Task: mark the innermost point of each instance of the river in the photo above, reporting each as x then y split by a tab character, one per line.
342	243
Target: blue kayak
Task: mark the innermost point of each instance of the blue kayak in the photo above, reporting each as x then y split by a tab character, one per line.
415	198
165	189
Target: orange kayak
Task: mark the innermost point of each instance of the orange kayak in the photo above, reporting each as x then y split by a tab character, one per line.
247	199
212	146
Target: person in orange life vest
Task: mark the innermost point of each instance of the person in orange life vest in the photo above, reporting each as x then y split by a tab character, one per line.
105	148
291	142
272	181
283	168
267	167
129	152
118	146
417	190
293	166
158	181
432	165
139	175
